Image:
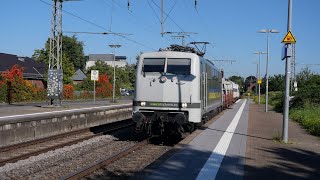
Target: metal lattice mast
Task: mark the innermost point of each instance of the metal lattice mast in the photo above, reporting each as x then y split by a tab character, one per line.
55	57
55	71
59	27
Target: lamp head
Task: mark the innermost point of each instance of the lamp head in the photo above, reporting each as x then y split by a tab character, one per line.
274	31
268	31
259	52
263	31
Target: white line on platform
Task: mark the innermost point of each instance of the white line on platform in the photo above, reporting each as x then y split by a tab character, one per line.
237	101
51	112
211	167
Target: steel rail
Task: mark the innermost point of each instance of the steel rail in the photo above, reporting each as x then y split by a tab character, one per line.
51	138
103	162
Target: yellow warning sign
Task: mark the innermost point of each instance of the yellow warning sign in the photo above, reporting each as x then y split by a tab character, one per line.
289	38
259	81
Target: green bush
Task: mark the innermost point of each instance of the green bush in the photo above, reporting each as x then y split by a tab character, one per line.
308	117
276	99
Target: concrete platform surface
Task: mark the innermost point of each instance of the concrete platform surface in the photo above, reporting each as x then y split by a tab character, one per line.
38	107
242	144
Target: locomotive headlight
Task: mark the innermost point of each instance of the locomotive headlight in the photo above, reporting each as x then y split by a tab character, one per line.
143	103
163	79
173	79
184	105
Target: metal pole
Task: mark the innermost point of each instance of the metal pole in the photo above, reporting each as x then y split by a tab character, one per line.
286	97
114	74
267	76
114	46
182	40
162	17
259	79
94	91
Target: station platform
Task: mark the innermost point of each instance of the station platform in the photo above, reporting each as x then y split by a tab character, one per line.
38	107
28	121
242	144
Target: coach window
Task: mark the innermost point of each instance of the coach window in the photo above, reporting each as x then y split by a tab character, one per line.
178	66
153	65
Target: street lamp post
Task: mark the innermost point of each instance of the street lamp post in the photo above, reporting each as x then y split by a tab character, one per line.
114	46
268	31
256	89
259	77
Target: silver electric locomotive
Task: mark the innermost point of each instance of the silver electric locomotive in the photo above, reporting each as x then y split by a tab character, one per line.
174	91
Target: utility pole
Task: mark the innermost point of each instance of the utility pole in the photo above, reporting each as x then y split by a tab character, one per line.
55	71
268	31
257	77
287	82
114	46
259	74
162	18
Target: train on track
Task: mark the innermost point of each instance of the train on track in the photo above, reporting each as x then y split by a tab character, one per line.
177	89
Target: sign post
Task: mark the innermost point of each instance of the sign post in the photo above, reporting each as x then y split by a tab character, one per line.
94	78
288	40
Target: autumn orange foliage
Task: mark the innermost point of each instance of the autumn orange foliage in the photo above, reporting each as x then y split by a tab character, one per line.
104	87
20	89
68	91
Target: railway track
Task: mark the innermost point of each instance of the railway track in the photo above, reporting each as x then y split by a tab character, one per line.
135	161
14	153
104	162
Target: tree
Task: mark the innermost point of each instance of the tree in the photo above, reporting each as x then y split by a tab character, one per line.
16	88
309	90
249	83
68	69
72	56
276	83
125	76
304	75
132	68
73	49
104	87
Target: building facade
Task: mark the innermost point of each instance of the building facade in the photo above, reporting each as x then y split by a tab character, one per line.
33	71
120	61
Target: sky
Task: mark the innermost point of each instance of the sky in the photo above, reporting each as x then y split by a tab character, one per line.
229	25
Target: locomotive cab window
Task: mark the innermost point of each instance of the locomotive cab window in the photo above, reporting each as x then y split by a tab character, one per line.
178	66
153	65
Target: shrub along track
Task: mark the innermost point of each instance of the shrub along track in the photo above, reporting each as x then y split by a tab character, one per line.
14	153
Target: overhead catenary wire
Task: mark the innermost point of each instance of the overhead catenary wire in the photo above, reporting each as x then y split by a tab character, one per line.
96	25
154	11
175	2
167	14
112	6
133	14
172	20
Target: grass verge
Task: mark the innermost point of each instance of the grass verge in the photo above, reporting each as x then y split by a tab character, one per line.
308	117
